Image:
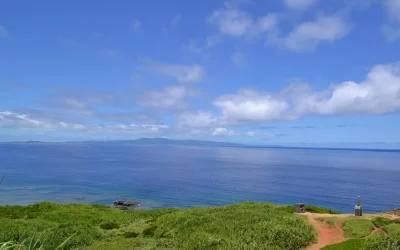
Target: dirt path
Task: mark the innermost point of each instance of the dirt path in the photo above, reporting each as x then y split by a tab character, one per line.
327	234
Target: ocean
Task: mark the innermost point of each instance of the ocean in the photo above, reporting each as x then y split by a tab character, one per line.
190	176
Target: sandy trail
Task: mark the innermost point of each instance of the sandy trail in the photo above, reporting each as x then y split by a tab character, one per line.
327	234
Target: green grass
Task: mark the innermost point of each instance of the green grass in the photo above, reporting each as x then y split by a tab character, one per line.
238	226
393	230
353	244
381	221
357	228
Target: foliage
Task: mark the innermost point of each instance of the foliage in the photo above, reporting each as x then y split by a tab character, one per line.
320	210
109	225
353	244
382	243
381	221
357	228
393	230
239	226
131	234
311	209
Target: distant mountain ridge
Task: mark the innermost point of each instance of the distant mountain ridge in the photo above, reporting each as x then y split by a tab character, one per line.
166	141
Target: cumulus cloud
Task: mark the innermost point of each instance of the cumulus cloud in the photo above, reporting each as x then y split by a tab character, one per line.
379	93
222	132
3	32
171	97
251	106
308	35
182	73
300	4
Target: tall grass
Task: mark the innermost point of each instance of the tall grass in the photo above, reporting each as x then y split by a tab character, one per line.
238	226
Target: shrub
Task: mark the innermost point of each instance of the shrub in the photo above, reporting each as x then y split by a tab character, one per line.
149	231
393	230
396	221
381	221
357	228
320	210
239	226
381	243
353	244
109	225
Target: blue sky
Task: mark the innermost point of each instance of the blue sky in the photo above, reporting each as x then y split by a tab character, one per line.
262	72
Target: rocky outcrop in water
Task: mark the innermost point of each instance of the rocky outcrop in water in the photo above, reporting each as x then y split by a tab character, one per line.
126	204
396	211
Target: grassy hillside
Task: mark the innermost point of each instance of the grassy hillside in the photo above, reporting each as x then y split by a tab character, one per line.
238	226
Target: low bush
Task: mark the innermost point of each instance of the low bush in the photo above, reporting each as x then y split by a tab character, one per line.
239	226
381	221
131	234
320	210
357	228
109	225
353	244
381	243
393	230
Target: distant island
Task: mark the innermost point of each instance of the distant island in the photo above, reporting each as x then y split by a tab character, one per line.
205	143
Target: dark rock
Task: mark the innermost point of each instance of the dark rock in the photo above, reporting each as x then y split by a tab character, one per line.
126	204
396	211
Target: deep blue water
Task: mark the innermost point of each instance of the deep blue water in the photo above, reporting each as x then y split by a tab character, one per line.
178	176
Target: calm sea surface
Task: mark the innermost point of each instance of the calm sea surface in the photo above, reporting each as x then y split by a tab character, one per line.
177	176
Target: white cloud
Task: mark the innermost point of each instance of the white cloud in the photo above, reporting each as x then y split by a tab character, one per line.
391	30
232	4
212	40
171	97
237	23
308	35
258	134
231	22
3	32
222	132
182	73
15	120
393	7
250	106
174	23
198	119
10	119
238	59
300	4
379	93
193	47
135	25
